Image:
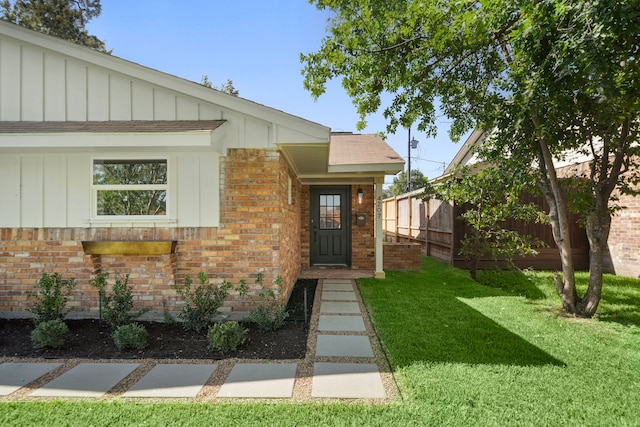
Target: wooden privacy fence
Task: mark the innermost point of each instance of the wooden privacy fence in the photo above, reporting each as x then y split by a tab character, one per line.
408	218
435	225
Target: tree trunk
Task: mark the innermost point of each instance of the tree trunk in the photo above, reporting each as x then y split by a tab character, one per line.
598	227
559	218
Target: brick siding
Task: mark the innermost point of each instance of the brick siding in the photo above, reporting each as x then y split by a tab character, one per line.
624	236
259	232
402	256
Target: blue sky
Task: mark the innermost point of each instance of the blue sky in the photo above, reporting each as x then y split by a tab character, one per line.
256	44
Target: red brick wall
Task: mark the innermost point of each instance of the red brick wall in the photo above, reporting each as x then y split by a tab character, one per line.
362	236
363	243
624	236
402	256
259	232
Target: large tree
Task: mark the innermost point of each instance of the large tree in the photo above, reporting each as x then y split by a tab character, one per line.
399	186
550	76
66	19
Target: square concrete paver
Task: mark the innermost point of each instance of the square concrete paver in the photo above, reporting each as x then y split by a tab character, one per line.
341	323
86	380
172	380
337	286
260	380
14	376
337	307
343	346
347	381
338	296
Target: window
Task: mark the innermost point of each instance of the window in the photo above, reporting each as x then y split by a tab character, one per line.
129	187
330	212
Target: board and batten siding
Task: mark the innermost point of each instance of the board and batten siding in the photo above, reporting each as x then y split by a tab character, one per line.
54	190
39	85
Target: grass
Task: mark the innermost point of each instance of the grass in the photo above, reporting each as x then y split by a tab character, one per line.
501	352
462	353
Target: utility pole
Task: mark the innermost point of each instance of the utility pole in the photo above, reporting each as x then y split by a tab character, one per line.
412	143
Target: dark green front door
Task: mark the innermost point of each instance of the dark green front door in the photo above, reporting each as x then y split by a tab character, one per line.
330	226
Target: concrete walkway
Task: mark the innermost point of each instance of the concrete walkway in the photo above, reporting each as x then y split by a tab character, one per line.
344	361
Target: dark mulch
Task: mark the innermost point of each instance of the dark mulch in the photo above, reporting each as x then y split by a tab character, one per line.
90	339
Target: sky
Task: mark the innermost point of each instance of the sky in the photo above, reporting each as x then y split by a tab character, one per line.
257	45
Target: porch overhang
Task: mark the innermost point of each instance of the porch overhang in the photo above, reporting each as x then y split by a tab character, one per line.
180	134
346	159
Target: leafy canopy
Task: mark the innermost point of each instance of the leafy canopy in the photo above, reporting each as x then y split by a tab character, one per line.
66	19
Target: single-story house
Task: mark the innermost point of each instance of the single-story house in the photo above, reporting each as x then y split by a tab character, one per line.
108	166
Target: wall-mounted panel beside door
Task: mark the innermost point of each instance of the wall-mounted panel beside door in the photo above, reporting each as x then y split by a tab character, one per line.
330	225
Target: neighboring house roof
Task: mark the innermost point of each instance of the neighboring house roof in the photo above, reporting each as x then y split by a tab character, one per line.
466	155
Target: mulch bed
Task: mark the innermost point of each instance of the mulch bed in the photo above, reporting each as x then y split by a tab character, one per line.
91	339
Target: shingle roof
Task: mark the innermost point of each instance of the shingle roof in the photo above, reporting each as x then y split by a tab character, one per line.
130	126
360	149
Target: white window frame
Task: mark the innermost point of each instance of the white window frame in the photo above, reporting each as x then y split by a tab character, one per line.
132	218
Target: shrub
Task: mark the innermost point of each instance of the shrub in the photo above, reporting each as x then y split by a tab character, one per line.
50	298
132	335
201	303
118	307
49	333
226	336
270	313
100	283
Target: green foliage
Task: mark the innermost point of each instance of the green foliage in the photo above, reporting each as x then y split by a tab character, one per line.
227	87
546	78
399	186
50	298
167	317
226	336
118	307
269	311
113	199
99	282
61	18
49	333
492	196
130	336
201	303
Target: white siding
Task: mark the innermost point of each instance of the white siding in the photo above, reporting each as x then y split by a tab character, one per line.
164	105
9	80
78	190
32	84
31	191
54	88
119	98
75	84
54	190
10	191
97	94
209	189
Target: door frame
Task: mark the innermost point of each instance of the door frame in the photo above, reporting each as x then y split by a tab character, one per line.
345	215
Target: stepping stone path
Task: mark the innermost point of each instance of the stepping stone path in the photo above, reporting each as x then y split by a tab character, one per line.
343	366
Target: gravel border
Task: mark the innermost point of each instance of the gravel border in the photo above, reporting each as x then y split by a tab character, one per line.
304	374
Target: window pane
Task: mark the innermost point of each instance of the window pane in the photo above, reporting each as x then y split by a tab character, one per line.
330	212
132	202
129	172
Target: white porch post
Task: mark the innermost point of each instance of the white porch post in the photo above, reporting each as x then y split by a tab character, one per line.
379	274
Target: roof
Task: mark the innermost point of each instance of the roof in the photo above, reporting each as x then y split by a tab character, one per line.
303	130
131	126
349	151
347	158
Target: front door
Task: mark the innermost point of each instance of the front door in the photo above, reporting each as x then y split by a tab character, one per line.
330	226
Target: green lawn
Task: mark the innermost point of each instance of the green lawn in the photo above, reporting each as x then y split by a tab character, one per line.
462	353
